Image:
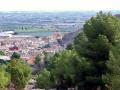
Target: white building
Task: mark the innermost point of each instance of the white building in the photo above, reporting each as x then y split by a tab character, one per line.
5	58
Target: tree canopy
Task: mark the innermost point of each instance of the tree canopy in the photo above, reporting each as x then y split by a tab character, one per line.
4	79
20	73
92	62
100	33
15	56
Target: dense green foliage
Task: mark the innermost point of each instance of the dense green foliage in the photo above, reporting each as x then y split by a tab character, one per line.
37	59
43	79
4	78
20	73
92	62
99	35
69	47
15	72
15	56
112	78
60	71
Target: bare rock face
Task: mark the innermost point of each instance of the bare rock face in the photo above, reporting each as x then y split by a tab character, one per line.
69	38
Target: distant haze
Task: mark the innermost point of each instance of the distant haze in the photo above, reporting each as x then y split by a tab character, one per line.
59	5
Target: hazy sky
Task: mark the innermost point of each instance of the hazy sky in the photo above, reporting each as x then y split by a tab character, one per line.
58	5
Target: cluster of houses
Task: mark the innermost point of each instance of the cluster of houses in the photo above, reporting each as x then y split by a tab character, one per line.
29	47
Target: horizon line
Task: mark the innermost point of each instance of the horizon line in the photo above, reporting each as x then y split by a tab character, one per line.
59	11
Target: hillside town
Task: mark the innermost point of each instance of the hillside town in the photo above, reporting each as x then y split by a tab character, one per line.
28	47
